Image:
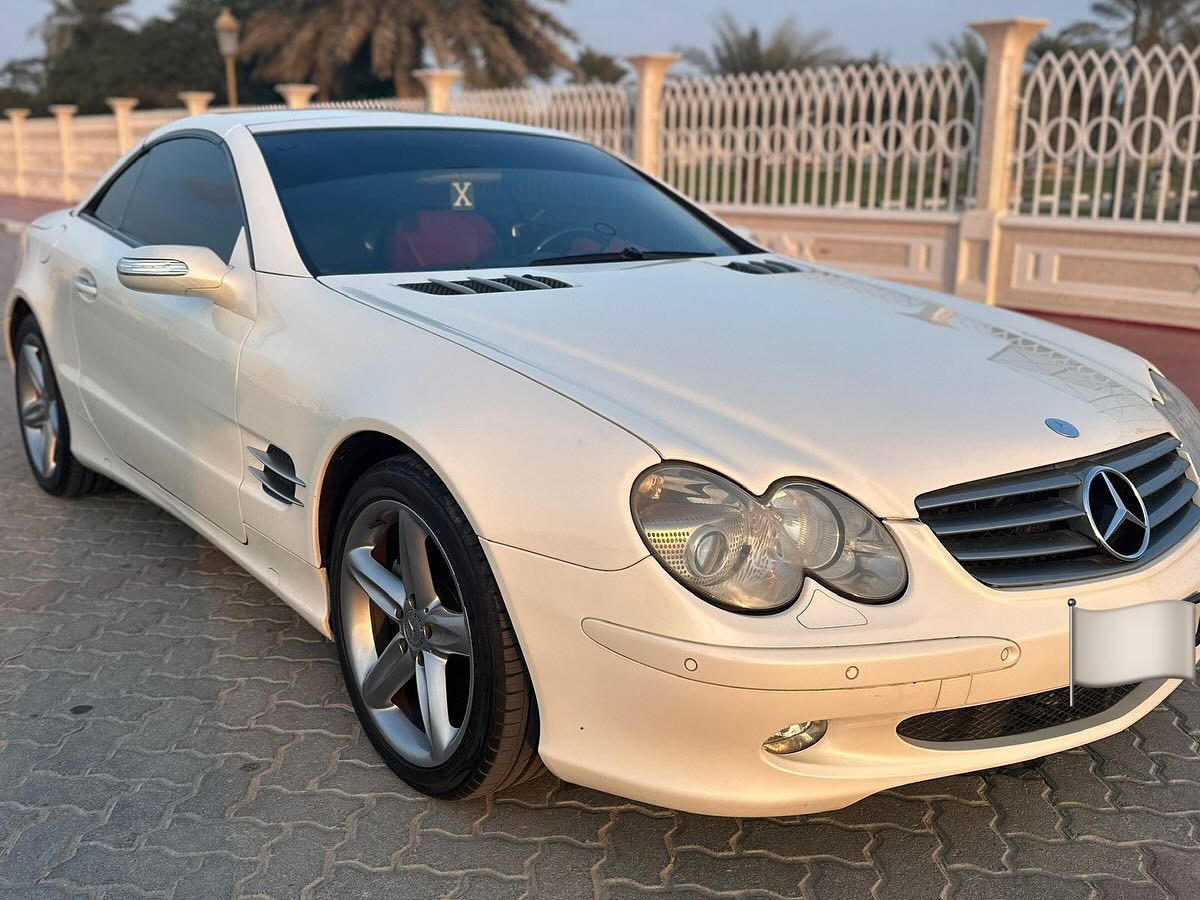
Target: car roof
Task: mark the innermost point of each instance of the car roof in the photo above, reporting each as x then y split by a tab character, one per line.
266	121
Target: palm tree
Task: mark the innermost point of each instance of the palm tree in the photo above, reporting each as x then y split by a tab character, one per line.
593	66
1138	23
494	42
70	19
966	47
739	50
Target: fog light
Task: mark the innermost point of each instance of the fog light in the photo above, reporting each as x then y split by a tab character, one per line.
796	737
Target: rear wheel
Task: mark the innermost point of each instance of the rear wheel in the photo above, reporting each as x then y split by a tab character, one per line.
44	428
428	653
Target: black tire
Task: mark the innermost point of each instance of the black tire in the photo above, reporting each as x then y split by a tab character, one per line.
68	477
498	748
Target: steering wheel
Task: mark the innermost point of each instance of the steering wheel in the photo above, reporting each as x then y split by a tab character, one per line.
579	230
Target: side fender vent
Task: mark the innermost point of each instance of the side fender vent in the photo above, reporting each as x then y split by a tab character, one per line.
277	476
487	285
763	267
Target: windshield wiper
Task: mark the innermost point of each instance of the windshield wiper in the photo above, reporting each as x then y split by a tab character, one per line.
626	255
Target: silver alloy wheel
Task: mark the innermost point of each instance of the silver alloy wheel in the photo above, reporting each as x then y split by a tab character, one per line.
38	407
406	632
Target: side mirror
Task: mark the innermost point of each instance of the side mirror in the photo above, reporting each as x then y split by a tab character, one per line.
176	269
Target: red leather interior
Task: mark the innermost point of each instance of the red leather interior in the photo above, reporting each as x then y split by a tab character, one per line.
440	239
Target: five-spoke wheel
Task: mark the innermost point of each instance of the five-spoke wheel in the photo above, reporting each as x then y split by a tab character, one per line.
429	655
407	635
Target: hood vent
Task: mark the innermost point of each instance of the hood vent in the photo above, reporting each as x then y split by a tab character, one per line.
487	285
763	267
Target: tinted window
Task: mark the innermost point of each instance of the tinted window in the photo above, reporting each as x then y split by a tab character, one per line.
407	199
185	195
111	208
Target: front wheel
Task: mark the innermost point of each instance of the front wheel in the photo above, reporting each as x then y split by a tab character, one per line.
426	647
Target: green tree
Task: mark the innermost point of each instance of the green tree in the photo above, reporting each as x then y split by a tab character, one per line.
88	52
23	84
493	42
69	21
178	52
737	49
594	66
965	47
1139	23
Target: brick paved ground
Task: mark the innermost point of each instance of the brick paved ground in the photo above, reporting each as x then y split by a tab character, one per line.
168	728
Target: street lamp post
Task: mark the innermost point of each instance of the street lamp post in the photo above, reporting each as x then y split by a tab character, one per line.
227	28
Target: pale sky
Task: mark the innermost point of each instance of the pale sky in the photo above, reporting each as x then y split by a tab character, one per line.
631	26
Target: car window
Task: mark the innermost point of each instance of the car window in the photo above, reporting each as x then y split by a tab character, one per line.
425	199
111	208
186	194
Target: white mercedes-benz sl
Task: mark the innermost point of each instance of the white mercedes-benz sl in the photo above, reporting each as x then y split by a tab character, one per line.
574	474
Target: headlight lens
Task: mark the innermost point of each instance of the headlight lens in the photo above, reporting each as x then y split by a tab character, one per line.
1181	414
751	555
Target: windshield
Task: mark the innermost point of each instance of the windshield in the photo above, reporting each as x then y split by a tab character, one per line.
410	200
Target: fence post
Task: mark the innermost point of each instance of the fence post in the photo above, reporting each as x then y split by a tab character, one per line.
64	113
296	96
122	107
437	84
979	232
196	102
651	71
18	116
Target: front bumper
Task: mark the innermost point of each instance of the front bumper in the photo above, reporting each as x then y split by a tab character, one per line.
647	692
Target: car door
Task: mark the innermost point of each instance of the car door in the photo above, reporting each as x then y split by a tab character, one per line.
158	372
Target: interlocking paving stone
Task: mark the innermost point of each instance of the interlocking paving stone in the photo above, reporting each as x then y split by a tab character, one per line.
169	728
969	835
636	849
907	863
779	877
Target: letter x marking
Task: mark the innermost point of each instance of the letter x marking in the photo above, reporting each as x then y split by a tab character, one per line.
462	195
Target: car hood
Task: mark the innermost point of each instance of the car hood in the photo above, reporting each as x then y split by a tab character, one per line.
884	391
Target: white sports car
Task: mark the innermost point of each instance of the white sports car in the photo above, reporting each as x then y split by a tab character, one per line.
574	474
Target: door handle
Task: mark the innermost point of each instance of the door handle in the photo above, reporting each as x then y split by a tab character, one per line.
85	286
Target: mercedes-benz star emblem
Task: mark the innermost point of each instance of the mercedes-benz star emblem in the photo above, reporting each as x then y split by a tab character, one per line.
1117	513
1063	427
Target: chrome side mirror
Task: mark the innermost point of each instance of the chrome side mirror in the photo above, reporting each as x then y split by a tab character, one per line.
178	270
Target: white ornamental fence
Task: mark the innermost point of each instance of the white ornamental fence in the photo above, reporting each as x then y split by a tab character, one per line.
600	113
1111	135
861	137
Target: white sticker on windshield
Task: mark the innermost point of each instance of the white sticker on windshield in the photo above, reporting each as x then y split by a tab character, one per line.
462	195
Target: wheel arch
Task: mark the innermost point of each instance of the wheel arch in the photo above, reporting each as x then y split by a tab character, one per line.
356	453
18	311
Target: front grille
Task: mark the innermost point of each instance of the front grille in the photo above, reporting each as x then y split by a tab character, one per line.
1006	718
1030	528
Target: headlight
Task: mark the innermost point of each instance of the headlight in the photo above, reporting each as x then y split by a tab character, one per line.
751	555
1181	414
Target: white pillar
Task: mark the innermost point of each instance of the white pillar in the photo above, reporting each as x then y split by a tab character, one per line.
122	108
296	96
18	116
64	114
979	233
437	84
196	102
651	71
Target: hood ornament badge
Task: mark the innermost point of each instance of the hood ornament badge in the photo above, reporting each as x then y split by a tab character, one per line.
1063	427
1117	513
